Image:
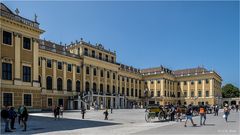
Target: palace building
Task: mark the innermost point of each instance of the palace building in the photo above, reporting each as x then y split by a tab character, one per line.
41	74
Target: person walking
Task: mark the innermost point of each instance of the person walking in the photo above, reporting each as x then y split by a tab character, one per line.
24	118
202	112
83	112
12	116
20	110
5	118
106	114
236	108
178	111
111	109
61	111
226	111
56	112
217	109
172	112
189	115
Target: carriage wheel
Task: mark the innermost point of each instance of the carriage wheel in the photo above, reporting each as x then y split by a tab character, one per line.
147	117
160	116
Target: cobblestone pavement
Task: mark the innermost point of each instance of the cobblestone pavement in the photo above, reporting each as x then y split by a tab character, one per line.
122	121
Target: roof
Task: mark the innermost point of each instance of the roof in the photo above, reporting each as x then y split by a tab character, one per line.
189	71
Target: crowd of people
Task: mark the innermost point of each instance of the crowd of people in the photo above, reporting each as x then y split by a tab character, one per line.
9	114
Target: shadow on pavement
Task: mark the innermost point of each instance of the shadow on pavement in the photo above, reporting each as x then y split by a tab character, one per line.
231	121
38	124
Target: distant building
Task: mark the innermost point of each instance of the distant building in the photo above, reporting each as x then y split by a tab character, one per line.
41	74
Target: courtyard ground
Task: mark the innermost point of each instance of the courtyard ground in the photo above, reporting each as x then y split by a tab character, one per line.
123	121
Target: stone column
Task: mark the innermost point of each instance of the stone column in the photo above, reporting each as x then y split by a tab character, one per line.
120	83
162	87
43	74
111	82
74	78
196	90
211	90
130	87
134	88
35	64
203	89
54	75
138	88
125	86
84	78
65	77
188	89
155	88
116	80
17	59
105	81
182	90
98	79
91	77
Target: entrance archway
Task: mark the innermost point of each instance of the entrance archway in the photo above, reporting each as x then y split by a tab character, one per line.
233	102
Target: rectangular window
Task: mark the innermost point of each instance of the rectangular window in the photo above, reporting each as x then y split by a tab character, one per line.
199	93
112	59
199	81
185	94
123	79
70	67
127	92
139	93
207	93
59	65
94	71
114	76
192	93
26	43
158	93
87	70
108	75
132	92
106	57
100	56
49	101
39	61
27	99
101	73
152	93
135	92
7	99
86	51
151	82
93	54
207	81
7	38
49	63
158	81
178	94
6	71
78	69
192	82
26	74
185	83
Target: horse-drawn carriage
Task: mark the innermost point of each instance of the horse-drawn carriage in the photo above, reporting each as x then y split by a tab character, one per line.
161	112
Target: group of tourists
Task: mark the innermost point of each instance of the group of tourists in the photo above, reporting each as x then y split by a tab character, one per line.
57	112
8	115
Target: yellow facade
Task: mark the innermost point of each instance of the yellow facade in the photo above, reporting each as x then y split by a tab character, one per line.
42	74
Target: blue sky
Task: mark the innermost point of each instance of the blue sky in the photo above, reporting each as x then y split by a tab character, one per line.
147	34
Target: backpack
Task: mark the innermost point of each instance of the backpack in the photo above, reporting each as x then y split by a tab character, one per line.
201	110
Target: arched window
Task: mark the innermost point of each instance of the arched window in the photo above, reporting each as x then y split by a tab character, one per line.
69	85
101	88
123	89
94	87
78	86
87	87
49	83
59	84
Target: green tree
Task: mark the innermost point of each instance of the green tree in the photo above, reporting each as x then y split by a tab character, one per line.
230	91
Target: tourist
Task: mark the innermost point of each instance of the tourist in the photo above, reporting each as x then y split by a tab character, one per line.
56	112
20	110
5	118
172	112
83	112
106	114
12	116
111	109
202	112
25	118
189	115
178	111
61	110
236	108
226	111
216	110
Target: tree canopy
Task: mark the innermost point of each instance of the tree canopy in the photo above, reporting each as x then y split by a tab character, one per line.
230	91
